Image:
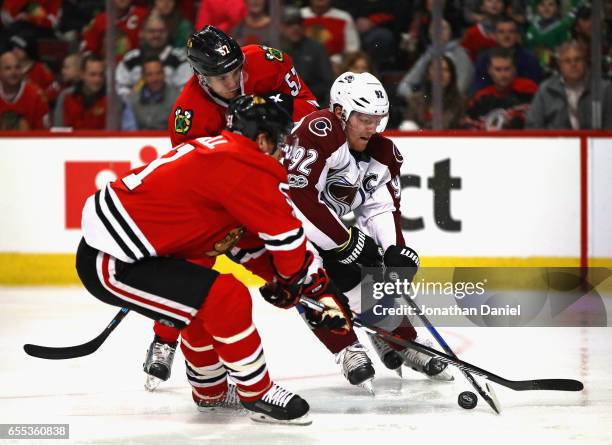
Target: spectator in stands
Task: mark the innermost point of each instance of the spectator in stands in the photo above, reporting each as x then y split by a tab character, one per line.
333	28
83	107
22	104
417	39
154	43
502	105
309	56
149	106
414	79
419	113
256	28
223	14
71	70
39	18
481	36
564	100
515	9
127	29
549	29
358	62
76	14
24	48
507	36
178	27
375	23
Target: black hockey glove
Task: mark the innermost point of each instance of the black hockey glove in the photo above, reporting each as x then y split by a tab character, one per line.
401	263
337	316
359	249
286	292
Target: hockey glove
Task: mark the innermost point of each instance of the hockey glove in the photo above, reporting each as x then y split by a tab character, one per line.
337	316
401	263
285	292
359	249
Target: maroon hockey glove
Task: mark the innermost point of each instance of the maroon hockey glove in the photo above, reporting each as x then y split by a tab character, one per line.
359	249
337	316
286	292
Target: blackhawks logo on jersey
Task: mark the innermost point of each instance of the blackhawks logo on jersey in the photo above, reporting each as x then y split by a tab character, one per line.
182	120
273	54
229	241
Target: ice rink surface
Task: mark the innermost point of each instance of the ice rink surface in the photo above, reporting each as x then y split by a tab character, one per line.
101	396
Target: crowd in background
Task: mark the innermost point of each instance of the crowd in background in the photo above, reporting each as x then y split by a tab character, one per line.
506	64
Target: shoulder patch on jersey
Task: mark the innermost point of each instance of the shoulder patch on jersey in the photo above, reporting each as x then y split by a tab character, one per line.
398	156
273	54
320	126
182	120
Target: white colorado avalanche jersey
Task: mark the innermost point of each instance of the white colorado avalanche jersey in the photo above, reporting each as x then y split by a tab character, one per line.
328	181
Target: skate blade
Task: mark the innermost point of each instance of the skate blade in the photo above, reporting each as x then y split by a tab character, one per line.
262	418
368	386
152	383
398	371
221	409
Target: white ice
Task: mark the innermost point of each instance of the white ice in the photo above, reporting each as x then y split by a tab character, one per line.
102	398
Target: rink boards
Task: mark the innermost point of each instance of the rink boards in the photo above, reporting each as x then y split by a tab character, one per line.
513	199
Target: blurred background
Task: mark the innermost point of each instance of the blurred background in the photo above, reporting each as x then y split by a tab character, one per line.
446	64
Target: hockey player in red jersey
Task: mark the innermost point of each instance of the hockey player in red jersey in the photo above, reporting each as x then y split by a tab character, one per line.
343	165
222	71
197	201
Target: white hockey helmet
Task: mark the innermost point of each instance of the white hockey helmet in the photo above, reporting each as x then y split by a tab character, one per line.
361	92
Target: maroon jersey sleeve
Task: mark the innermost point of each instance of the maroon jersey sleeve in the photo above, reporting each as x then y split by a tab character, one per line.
270	69
322	147
194	115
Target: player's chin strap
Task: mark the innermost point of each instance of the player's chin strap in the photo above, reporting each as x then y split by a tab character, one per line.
516	385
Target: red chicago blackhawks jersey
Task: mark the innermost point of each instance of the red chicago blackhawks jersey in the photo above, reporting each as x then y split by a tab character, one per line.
197	112
328	181
198	200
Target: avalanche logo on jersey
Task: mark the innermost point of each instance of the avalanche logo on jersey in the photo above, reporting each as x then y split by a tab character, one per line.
339	193
273	54
182	120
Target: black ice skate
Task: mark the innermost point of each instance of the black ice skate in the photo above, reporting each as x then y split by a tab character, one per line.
431	367
279	406
158	362
356	366
389	356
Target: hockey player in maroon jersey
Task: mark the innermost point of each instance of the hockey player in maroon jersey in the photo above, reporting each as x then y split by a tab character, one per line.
223	71
343	165
196	201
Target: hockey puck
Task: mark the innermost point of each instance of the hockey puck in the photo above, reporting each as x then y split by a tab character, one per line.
467	400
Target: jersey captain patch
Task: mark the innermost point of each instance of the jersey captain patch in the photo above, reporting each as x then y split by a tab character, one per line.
273	54
182	120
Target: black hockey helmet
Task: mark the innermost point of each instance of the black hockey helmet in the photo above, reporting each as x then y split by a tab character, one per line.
270	113
211	52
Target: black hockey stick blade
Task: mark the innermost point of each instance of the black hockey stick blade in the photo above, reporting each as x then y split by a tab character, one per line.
487	395
517	385
67	352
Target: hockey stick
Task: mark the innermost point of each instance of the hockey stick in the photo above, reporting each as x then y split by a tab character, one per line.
66	352
488	397
516	385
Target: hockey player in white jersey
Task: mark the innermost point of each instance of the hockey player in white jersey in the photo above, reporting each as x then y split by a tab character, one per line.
341	165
